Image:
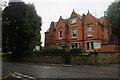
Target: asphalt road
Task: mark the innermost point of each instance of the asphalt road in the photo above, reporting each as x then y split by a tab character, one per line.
0	67
62	71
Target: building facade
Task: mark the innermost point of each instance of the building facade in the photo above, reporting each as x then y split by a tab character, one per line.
78	32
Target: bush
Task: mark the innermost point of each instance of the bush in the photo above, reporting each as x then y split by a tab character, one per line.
76	51
53	51
57	47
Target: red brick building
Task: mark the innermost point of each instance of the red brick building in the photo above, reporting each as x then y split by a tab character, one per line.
78	31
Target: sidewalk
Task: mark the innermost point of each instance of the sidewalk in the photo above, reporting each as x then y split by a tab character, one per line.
68	65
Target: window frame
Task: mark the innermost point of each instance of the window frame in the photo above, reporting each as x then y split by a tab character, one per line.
89	30
60	34
75	45
74	35
73	21
89	44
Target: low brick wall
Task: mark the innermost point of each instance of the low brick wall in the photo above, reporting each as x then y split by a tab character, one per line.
92	58
96	58
108	47
104	58
83	59
46	59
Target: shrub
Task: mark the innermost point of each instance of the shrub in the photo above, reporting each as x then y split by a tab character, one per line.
76	51
53	51
57	47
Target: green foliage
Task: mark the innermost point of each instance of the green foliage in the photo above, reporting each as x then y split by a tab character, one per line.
54	51
4	53
113	15
31	27
57	47
82	49
76	51
21	29
60	51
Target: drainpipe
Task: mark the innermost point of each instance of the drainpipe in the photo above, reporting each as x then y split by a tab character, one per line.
83	33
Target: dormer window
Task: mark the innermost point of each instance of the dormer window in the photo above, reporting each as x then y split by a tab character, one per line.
73	20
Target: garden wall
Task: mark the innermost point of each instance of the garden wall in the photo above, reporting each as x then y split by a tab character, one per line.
46	59
96	58
108	47
92	58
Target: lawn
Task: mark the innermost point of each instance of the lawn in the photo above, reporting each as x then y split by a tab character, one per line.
4	53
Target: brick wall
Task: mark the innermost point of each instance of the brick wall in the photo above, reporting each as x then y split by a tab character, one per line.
108	47
92	58
96	58
100	31
46	59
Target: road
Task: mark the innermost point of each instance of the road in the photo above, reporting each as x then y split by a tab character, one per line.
62	71
0	67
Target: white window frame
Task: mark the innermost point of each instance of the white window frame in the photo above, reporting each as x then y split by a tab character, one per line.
91	47
73	20
89	31
87	43
73	33
60	34
74	45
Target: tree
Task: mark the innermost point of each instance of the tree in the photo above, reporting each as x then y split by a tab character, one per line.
113	15
21	28
31	28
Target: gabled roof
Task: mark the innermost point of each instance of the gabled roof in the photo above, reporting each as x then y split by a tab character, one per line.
101	20
79	16
55	23
97	20
83	17
66	21
47	31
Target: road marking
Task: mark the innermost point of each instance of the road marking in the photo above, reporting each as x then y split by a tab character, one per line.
46	67
31	78
4	77
19	75
87	66
25	76
13	75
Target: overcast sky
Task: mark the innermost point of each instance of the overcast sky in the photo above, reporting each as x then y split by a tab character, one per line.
51	10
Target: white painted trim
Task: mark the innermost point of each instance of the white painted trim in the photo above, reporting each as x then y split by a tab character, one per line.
90	47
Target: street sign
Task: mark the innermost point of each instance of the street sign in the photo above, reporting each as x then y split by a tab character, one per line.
37	48
97	46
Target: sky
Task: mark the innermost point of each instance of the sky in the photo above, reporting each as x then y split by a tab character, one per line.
51	10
